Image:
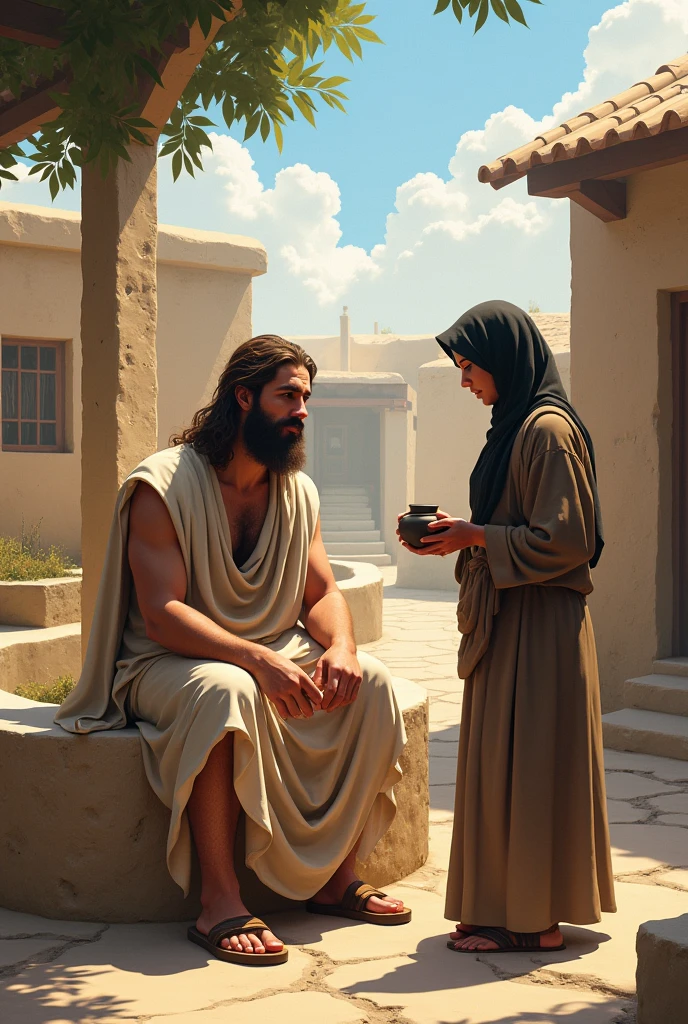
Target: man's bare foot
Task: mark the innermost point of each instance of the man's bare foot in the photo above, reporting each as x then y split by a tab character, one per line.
333	892
467	940
221	909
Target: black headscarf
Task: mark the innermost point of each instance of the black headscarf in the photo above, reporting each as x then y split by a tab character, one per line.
502	339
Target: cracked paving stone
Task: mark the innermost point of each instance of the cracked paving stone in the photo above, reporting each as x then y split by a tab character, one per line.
676	803
674	819
136	971
341	939
620	812
601	954
285	1007
442	771
645	847
677	877
435	985
665	768
625	786
19	951
29	926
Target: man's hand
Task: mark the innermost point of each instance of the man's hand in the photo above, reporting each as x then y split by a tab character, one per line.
291	690
338	674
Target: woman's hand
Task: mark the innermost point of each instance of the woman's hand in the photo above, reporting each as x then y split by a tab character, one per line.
450	535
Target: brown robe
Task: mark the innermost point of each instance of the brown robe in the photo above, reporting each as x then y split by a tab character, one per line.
531	841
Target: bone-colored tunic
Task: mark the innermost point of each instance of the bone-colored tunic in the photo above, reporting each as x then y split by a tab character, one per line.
531	840
309	787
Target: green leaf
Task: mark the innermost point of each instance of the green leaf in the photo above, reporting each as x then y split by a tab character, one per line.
279	138
343	46
482	14
305	106
8	175
228	110
252	125
367	35
177	164
54	186
264	127
203	122
500	10
149	68
458	10
515	11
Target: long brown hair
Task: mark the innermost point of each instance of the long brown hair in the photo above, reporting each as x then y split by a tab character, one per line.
214	428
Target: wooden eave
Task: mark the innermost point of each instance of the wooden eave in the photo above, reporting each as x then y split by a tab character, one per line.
39	25
596	181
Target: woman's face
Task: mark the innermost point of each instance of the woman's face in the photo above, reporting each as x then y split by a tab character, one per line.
480	382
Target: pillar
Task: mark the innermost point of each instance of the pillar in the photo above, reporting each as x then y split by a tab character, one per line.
118	326
344	340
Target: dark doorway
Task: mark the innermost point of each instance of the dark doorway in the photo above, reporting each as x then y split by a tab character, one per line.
679	331
347	450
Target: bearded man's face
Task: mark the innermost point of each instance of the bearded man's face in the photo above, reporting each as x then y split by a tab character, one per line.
278	444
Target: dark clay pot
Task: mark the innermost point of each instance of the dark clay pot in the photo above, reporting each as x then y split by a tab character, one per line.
413	525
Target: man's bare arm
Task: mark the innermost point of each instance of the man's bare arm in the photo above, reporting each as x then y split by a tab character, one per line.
159	575
327	618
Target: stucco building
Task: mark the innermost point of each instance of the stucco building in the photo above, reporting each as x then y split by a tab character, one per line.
624	165
204	296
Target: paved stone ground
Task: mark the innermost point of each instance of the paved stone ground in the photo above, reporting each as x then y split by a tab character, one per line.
66	973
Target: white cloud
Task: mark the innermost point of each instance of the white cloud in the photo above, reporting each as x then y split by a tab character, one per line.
448	242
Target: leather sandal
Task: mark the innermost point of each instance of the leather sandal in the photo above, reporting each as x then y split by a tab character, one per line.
242	925
353	904
506	942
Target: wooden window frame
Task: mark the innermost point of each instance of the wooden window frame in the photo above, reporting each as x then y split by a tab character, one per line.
679	362
59	347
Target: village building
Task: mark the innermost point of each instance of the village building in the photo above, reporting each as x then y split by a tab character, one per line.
204	295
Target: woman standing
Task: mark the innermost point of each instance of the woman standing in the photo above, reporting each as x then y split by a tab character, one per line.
531	844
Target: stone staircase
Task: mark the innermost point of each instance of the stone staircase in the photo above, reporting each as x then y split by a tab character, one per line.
655	719
348	527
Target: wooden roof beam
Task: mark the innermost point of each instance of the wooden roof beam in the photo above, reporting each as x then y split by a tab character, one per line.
33	23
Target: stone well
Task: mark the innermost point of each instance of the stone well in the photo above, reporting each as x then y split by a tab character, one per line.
82	835
362	586
662	974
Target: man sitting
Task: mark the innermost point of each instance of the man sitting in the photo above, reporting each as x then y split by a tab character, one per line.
220	630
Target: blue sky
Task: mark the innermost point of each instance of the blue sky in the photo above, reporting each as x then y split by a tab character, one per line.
380	209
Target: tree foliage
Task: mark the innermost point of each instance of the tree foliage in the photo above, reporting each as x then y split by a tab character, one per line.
264	68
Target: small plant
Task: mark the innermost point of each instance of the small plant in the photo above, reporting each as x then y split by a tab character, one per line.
386	330
533	307
47	693
23	558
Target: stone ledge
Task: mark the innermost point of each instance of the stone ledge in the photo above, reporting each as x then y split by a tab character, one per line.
82	835
662	975
38	655
362	585
41	603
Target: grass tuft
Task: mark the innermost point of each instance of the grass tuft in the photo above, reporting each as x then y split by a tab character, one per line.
47	693
23	558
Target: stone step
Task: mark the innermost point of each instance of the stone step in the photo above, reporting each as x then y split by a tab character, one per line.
346	524
339	514
646	732
373	559
355	548
671	666
339	536
343	489
667	694
344	499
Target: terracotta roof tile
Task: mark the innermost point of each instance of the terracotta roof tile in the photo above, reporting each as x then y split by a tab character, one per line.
657	104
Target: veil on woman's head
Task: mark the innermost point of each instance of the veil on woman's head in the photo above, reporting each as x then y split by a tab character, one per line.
503	340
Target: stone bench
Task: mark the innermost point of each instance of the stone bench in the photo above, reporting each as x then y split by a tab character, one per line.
662	975
82	835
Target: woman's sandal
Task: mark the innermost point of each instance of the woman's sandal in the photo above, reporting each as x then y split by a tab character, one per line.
242	925
353	903
507	942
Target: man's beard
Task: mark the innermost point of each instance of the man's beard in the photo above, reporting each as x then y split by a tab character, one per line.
265	441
